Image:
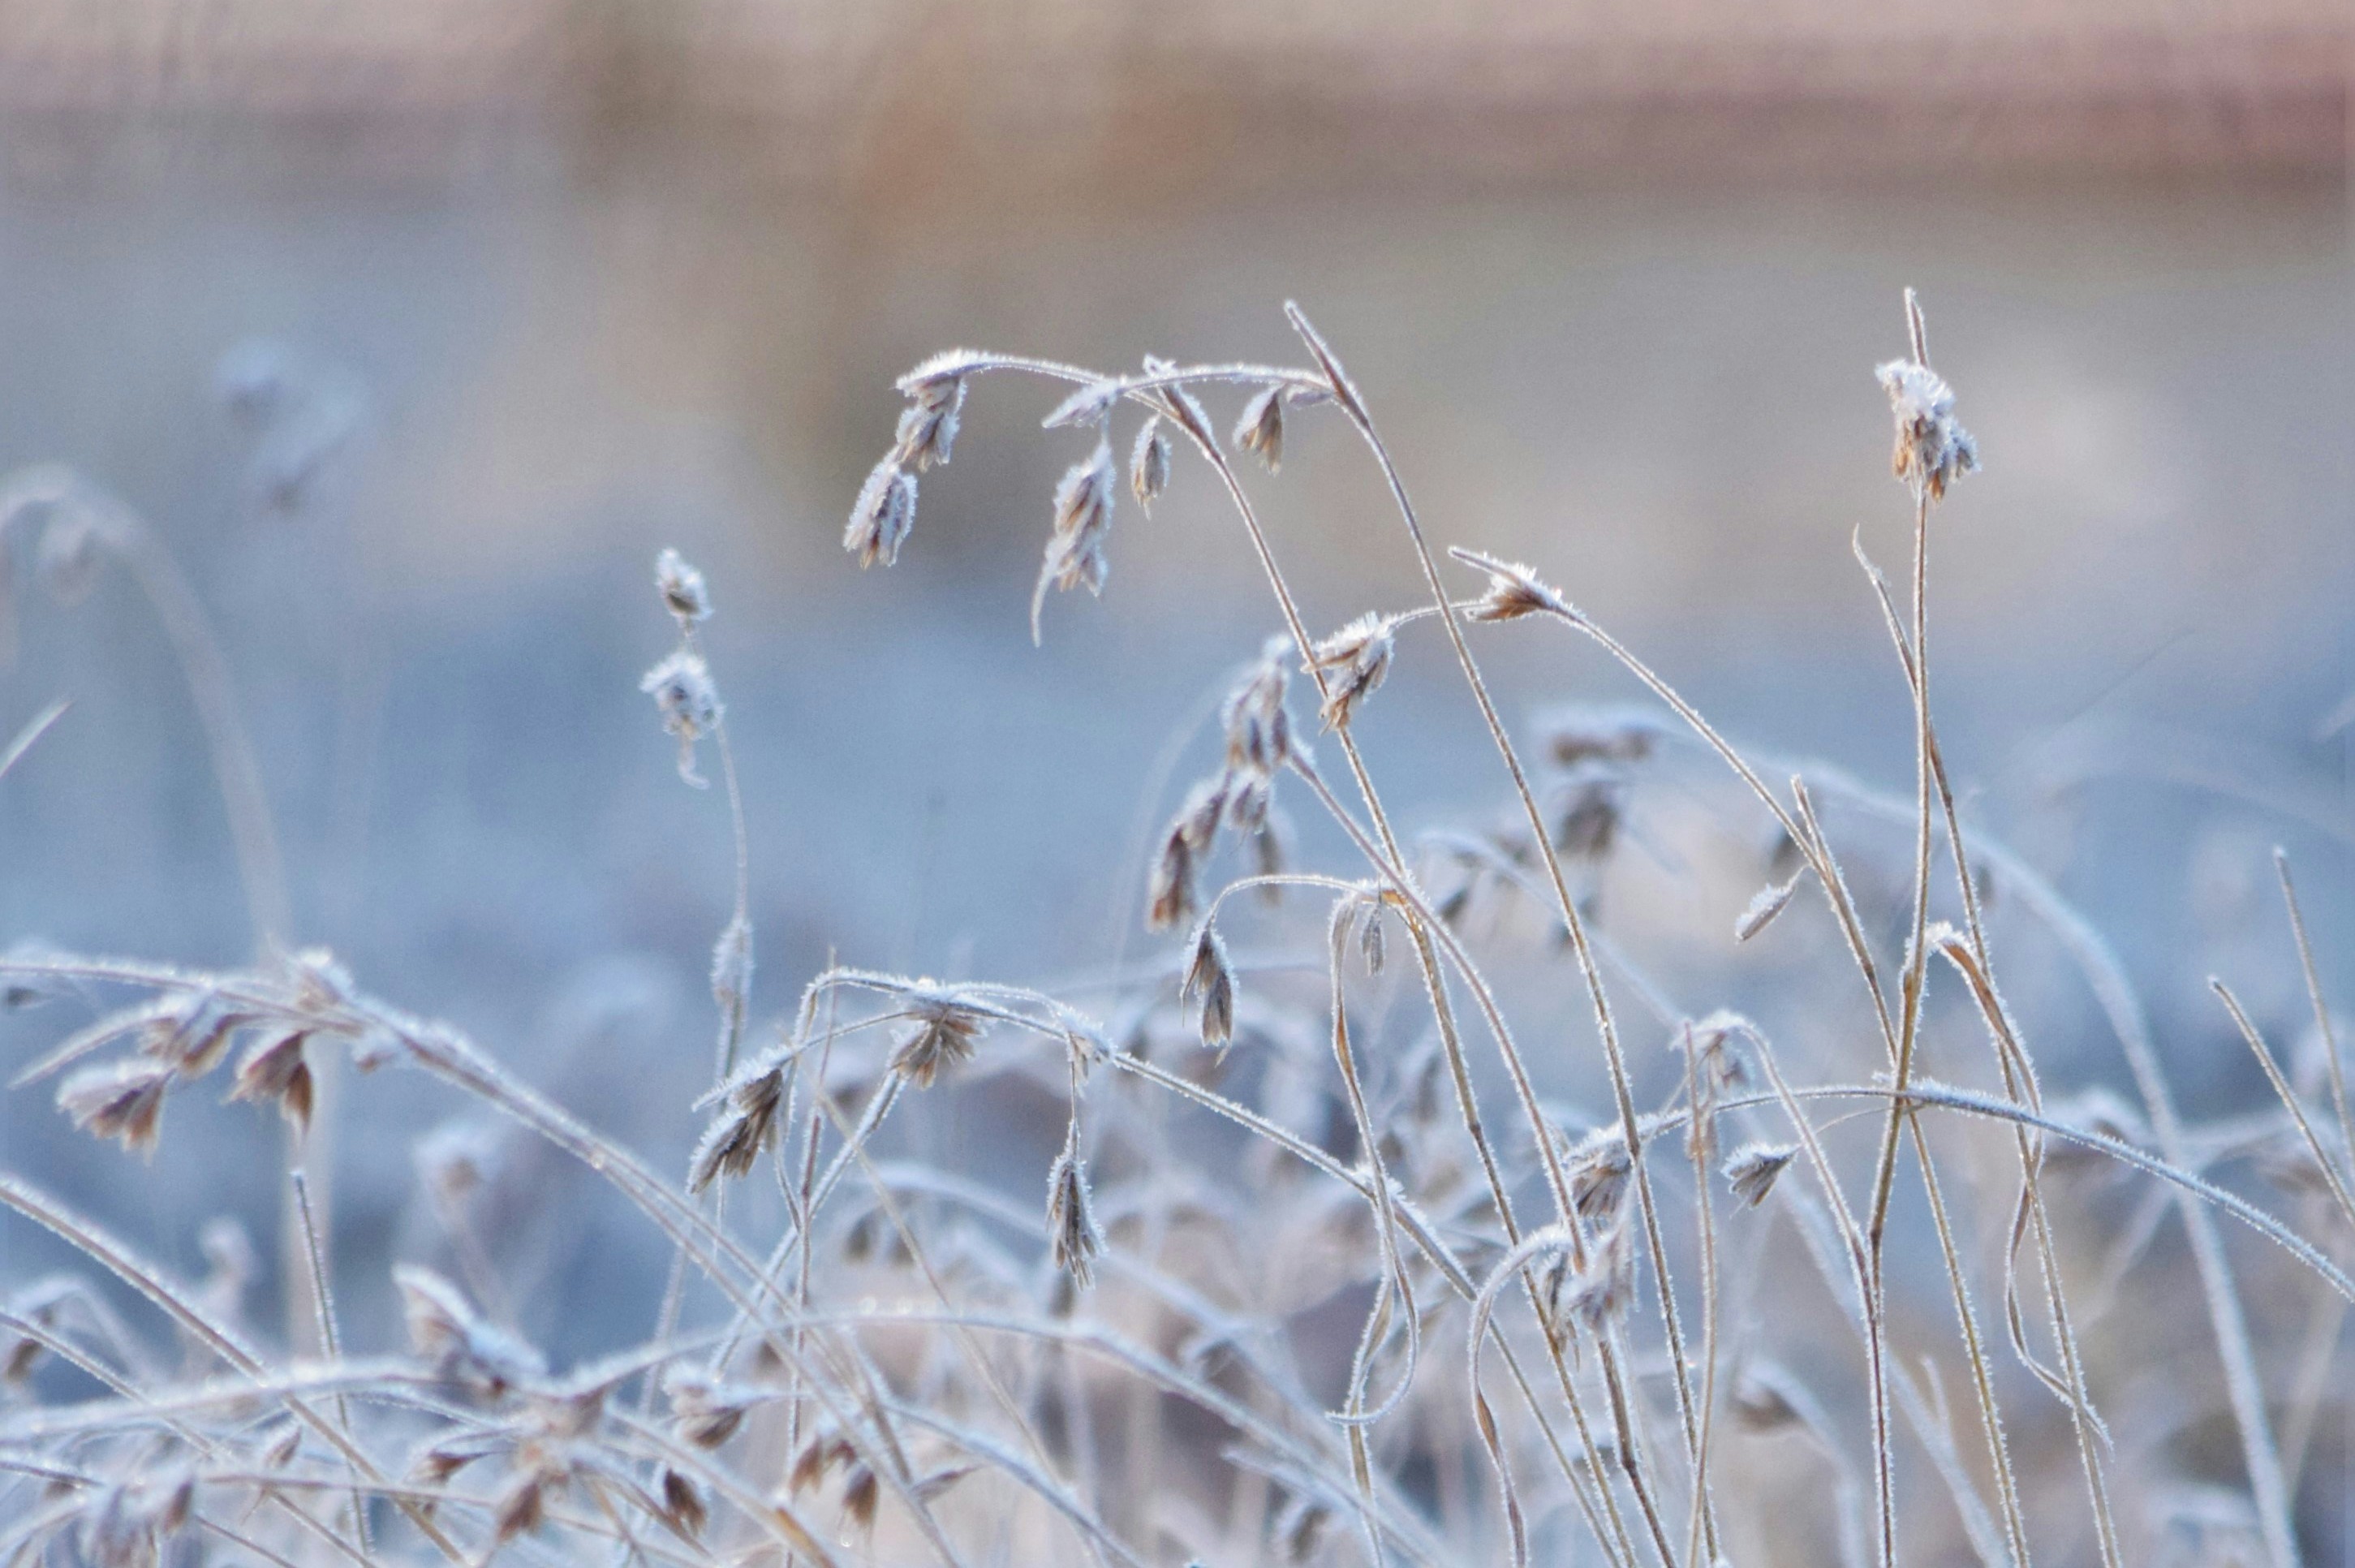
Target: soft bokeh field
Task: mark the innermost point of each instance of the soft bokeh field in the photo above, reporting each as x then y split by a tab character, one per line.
500	378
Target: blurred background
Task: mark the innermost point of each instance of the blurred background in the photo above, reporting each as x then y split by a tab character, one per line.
417	330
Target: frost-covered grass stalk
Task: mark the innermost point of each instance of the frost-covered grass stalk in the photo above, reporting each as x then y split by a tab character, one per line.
1327	1264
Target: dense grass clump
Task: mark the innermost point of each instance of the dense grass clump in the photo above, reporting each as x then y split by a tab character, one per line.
1328	1265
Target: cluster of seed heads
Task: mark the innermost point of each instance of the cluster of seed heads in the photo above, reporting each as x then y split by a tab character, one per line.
1591	1296
184	1033
681	683
885	512
548	1453
946	1028
1240	796
745	1129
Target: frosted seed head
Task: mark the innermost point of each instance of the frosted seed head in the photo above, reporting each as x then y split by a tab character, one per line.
1075	549
1372	945
1259	430
1148	463
682	588
123	1101
1357	657
1090	405
1598	1295
731	967
274	1072
706	1412
688	702
942	1036
860	1492
1249	795
1753	1169
1932	449
1514	590
1169	892
883	515
1211	977
1199	816
928	425
1258	730
192	1032
742	1133
683	1507
1083	496
1599	1169
457	1158
1072	1236
520	1507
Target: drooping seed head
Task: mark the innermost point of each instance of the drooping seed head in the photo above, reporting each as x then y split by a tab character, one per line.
883	515
1075	549
1211	977
1514	590
1072	1233
1259	430
944	1035
928	425
1201	813
706	1412
731	965
37	1307
1148	463
860	1492
1598	1295
1169	892
1752	1169
742	1133
275	1071
1599	1168
1358	657
192	1032
683	1507
1371	944
123	1101
1258	731
821	1454
520	1507
1089	405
